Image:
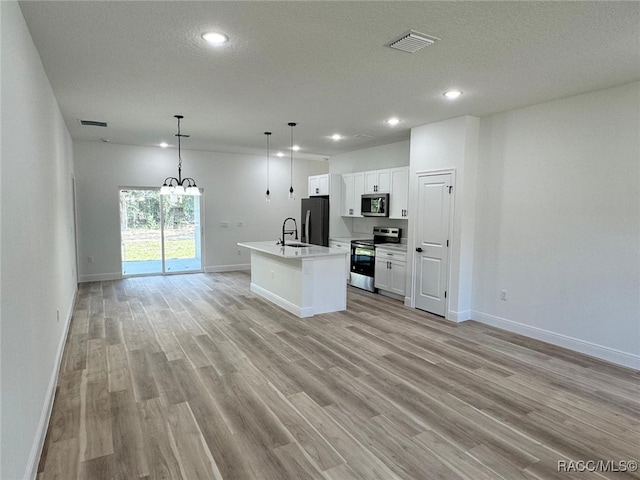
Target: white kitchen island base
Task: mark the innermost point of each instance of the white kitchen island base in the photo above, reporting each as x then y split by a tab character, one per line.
304	281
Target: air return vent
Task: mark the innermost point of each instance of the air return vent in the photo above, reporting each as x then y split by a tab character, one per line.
92	123
412	41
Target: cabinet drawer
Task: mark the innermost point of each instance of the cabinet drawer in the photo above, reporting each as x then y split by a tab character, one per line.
391	254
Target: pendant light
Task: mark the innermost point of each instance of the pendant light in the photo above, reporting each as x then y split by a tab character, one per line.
291	194
179	186
268	194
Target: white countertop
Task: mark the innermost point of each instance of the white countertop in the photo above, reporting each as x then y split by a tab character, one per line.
401	247
310	251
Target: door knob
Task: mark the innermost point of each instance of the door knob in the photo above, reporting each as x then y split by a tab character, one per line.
418	249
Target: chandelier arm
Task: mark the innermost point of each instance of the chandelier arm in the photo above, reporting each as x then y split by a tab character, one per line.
170	180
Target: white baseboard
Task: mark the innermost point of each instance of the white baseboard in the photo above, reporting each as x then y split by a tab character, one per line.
612	355
45	415
227	268
99	277
301	312
459	316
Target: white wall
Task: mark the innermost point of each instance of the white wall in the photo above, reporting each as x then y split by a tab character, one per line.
558	223
234	187
38	276
450	145
375	158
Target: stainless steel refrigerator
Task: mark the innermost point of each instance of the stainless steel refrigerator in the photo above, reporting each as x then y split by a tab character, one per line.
315	220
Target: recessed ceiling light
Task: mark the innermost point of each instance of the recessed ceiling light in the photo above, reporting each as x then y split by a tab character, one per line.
280	154
215	38
164	145
336	136
452	94
393	121
295	148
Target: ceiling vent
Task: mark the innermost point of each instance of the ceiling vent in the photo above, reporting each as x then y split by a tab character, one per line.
412	41
92	123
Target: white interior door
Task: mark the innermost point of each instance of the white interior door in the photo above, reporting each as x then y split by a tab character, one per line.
432	243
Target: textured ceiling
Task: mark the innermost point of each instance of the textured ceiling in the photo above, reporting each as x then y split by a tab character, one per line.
321	64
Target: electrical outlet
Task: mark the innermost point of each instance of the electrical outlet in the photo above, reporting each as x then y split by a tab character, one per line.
90	258
240	223
57	315
224	224
503	295
239	252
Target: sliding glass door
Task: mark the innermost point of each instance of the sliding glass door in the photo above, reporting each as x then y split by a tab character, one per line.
181	233
160	233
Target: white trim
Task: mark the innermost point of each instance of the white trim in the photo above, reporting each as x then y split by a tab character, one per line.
625	359
301	312
227	268
459	316
45	416
99	277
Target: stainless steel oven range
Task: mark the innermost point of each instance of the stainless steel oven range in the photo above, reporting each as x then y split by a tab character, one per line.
363	256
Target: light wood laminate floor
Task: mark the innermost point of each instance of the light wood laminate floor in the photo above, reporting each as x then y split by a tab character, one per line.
194	377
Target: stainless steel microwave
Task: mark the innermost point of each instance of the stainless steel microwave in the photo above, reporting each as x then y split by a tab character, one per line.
375	205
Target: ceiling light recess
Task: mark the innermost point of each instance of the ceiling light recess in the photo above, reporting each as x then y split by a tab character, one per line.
412	41
393	121
215	38
452	94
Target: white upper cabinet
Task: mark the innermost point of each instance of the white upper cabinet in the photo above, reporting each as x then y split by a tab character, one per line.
352	190
377	181
319	185
399	194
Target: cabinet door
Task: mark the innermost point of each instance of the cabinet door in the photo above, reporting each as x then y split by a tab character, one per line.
358	190
397	277
343	246
384	181
370	181
399	194
324	185
319	185
381	279
347	195
314	185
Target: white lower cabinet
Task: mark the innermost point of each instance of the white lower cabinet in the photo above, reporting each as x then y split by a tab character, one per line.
344	246
391	269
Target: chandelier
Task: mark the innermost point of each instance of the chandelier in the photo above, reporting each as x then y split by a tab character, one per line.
179	186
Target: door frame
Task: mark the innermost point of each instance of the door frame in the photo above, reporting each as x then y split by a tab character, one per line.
202	243
413	190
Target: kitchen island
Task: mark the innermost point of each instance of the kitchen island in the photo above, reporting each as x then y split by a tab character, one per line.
305	280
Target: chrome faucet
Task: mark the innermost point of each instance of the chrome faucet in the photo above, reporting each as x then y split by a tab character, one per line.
289	232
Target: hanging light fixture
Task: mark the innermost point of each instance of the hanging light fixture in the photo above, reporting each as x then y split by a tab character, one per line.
268	194
291	194
179	186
